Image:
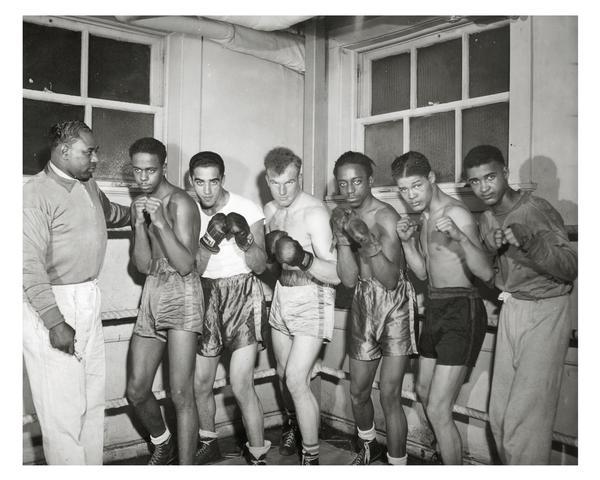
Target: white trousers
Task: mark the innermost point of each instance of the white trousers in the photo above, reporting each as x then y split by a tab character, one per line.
68	394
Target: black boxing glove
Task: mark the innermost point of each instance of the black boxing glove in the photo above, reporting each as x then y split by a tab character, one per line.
270	242
216	231
288	250
239	228
358	231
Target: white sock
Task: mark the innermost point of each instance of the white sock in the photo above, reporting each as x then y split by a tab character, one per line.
397	460
161	438
258	451
367	435
207	434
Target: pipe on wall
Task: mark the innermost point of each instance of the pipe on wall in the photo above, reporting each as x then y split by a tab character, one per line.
283	48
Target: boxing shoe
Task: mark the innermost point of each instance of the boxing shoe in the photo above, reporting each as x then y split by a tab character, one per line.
370	450
290	439
208	451
164	453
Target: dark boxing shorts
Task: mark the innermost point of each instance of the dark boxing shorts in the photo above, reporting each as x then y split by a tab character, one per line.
454	327
169	302
302	305
235	314
382	321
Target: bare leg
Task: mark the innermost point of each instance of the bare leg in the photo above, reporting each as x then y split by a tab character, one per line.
182	360
204	379
282	345
445	385
145	354
390	384
362	374
242	384
301	359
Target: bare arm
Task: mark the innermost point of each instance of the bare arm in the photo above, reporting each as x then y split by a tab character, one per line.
407	231
324	265
459	225
142	251
255	256
179	243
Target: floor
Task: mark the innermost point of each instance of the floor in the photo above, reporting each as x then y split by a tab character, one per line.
336	449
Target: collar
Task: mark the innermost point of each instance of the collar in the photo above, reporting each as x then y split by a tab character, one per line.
59	177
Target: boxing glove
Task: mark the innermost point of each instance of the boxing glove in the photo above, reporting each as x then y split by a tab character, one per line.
270	242
339	220
288	250
522	234
358	231
216	231
239	228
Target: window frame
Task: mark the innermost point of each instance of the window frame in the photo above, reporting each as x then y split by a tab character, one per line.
91	26
364	60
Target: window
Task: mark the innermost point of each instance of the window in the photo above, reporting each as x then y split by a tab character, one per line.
84	70
439	94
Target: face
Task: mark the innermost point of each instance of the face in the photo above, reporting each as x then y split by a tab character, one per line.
416	190
81	157
488	182
147	171
284	187
208	185
354	183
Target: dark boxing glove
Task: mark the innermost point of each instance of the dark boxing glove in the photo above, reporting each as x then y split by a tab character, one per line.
239	228
270	242
358	231
339	220
216	231
288	250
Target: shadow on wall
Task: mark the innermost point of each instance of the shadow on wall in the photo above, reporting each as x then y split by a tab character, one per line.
263	189
543	169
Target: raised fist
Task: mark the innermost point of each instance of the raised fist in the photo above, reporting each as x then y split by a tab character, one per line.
216	231
271	239
239	228
360	233
339	220
288	250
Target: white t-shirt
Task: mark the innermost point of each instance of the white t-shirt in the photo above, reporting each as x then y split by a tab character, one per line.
230	260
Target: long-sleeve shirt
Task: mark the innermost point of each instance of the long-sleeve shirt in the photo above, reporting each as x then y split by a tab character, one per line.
546	264
64	236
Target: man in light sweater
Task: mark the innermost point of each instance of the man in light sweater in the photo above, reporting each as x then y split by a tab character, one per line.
65	216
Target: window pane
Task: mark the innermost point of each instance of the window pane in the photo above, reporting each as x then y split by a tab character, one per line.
383	143
38	117
119	70
390	78
433	136
439	73
489	62
51	59
115	131
487	125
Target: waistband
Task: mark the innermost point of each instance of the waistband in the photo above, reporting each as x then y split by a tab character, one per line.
160	265
402	278
90	281
234	279
452	292
298	278
504	296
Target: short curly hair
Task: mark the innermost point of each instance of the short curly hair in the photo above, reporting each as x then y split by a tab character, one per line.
66	133
149	145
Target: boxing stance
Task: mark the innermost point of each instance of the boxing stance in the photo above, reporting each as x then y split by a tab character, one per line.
166	224
370	259
536	269
231	251
299	240
449	255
